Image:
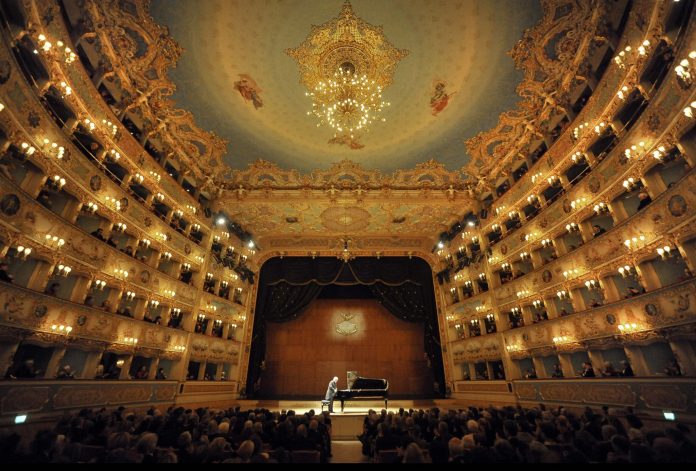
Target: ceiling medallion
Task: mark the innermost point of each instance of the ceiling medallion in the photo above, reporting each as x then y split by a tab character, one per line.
345	64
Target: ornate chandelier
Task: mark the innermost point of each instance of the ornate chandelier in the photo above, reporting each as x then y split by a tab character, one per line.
345	64
347	103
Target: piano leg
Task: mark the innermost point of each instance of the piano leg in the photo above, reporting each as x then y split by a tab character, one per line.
385	403
341	405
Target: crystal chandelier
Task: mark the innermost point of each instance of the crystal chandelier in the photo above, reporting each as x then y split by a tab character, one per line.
348	103
345	64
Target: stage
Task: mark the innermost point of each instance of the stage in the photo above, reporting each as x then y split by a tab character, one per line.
347	424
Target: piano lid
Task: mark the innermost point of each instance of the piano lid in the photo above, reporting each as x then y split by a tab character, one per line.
370	383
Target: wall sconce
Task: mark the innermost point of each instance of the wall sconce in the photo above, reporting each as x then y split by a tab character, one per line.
453	289
159	197
170	293
523	293
553	180
689	110
474	239
592	284
191	208
61	329
536	177
224	284
561	339
659	153
538	303
114	155
89	124
155	175
200	259
496	228
27	149
65	89
490	317
179	348
644	48
130	295
216	239
683	71
208	276
578	158
144	243
600	208
515	311
113	202
570	273
629	184
482	276
623	93
505	266
599	129
120	227
161	235
98	285
513	348
664	252
627	270
628	327
91	207
167	256
525	256
499	210
480	308
547	243
118	273
468	283
201	317
531	199
635	151
54	241
22	252
620	58
139	178
130	341
563	294
474	322
176	311
177	214
58	182
634	242
186	267
572	227
196	227
112	127
513	215
63	270
578	203
154	303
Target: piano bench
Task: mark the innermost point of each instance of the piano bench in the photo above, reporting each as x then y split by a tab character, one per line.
325	403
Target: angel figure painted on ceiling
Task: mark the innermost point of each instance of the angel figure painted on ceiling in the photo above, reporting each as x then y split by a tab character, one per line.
439	98
250	91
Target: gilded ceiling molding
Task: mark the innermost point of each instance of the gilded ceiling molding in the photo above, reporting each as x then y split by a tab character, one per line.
141	52
568	28
344	175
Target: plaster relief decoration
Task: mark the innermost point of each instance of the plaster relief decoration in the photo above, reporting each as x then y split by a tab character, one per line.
439	98
250	91
345	64
346	327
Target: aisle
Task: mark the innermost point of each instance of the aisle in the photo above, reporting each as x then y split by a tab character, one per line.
347	451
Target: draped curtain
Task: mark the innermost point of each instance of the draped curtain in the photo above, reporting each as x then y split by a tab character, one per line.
287	286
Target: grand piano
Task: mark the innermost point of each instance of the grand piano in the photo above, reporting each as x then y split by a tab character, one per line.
363	388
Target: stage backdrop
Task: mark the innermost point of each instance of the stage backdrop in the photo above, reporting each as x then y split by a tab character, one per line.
288	287
303	355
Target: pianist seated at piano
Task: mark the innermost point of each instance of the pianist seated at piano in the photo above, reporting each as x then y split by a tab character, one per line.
363	388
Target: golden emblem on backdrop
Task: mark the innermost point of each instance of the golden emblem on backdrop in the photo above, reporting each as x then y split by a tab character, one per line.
345	327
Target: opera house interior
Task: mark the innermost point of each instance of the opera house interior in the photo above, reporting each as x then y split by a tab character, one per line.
477	216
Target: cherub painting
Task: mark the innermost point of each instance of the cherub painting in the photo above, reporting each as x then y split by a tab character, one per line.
439	98
250	91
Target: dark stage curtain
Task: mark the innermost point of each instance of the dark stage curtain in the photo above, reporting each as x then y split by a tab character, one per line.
287	286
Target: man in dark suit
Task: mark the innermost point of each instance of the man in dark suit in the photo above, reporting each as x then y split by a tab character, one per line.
331	392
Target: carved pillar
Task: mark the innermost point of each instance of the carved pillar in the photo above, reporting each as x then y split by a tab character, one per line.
154	365
634	355
201	370
685	355
125	369
54	363
611	292
648	277
566	365
551	309
91	363
489	369
527	315
540	368
39	277
577	300
79	290
139	309
33	182
7	352
597	360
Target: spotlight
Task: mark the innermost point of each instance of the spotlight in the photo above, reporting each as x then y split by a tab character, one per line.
221	220
250	244
440	245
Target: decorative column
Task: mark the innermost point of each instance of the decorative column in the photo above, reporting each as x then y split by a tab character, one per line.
54	362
